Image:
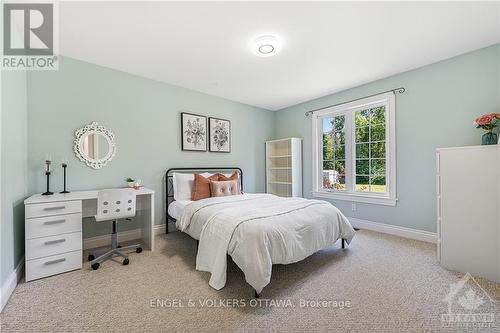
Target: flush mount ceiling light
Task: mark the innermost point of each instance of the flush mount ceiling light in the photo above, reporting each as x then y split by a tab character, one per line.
266	46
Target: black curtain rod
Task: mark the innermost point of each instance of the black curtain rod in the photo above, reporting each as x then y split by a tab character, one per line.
400	90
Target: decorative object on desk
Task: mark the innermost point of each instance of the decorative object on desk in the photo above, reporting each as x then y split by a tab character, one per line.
47	174
193	132
94	145
220	135
137	184
488	122
134	183
130	182
64	166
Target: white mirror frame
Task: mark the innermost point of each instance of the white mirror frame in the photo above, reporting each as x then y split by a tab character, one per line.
94	128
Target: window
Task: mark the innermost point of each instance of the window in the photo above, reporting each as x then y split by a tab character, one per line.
354	151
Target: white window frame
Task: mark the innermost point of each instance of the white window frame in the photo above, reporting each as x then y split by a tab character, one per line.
349	109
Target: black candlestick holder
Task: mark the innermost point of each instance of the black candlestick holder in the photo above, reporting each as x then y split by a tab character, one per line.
47	173
64	165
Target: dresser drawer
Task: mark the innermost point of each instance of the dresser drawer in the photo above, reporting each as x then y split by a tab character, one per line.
53	208
53	225
52	245
39	268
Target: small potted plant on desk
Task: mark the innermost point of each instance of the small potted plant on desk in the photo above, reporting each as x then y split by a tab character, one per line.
134	183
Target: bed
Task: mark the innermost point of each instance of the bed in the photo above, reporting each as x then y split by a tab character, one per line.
256	229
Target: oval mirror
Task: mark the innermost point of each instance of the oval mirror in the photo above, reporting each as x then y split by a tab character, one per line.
94	145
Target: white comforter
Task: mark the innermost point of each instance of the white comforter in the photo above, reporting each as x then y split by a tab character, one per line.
259	230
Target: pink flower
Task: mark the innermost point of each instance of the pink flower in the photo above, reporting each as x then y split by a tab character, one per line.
486	119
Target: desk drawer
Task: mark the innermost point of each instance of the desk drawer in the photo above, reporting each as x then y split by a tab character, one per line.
52	245
53	208
39	268
53	225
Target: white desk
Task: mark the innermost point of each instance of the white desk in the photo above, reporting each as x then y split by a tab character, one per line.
53	229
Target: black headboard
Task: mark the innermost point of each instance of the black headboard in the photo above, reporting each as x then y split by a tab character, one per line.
169	187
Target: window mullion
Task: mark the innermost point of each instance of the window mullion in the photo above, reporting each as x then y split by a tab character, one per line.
350	152
370	155
319	167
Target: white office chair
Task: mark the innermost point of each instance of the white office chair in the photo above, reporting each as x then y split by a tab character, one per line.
114	204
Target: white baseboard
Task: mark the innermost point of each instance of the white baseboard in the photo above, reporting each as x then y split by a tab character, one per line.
160	229
421	235
8	287
104	240
124	236
426	236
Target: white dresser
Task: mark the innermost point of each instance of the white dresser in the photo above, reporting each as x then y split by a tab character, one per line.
53	229
53	238
468	210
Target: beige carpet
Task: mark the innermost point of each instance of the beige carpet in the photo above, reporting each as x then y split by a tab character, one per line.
392	284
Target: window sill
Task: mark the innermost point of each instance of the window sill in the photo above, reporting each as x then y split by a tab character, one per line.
370	199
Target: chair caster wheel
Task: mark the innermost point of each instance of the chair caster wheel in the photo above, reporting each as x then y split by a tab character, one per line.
119	246
125	262
91	257
138	250
95	266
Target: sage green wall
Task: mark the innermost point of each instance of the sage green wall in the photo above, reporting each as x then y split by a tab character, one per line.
13	170
437	110
145	117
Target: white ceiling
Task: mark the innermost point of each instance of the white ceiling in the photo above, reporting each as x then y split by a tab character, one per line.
328	47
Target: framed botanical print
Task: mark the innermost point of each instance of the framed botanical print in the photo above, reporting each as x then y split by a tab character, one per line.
194	132
220	135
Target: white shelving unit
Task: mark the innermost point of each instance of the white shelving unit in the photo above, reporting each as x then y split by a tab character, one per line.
284	167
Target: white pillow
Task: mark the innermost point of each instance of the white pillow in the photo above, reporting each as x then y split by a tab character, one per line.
183	185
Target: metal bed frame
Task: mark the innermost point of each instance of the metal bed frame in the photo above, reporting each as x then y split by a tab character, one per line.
169	186
169	189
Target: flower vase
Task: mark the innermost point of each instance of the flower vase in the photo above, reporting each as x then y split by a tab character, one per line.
489	138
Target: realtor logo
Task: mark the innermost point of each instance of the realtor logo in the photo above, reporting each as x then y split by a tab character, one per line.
469	306
29	36
37	22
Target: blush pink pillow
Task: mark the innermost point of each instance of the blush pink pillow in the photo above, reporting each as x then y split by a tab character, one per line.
201	188
224	188
234	176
